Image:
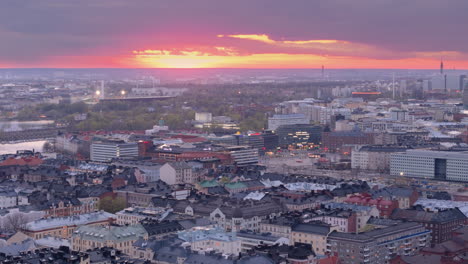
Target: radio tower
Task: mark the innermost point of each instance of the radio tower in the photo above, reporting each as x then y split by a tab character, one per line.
441	66
323	72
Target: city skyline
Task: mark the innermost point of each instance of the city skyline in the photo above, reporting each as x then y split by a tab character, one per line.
241	34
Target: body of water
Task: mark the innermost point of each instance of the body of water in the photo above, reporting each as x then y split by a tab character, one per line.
29	145
8	126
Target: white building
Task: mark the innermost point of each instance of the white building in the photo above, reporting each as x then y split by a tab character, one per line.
203	117
440	165
250	240
292	119
374	158
106	151
134	215
212	239
243	155
177	173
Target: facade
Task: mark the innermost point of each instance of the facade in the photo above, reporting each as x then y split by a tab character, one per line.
134	215
291	119
73	207
334	141
379	245
363	213
106	151
118	237
314	234
179	172
299	135
373	158
342	221
428	164
63	227
385	206
442	223
250	240
208	239
243	155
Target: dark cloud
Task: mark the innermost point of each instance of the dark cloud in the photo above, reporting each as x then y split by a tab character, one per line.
34	30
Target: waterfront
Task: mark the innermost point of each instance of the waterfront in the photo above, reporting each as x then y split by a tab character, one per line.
8	126
11	148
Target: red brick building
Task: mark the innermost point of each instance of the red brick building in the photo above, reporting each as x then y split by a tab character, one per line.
334	141
384	206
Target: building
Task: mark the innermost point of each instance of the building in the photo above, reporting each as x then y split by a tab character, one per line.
385	206
428	164
314	234
334	141
378	245
212	239
441	223
300	135
250	240
118	237
9	198
63	227
406	197
179	172
243	155
363	213
278	226
341	220
373	158
290	119
270	140
203	117
134	215
106	151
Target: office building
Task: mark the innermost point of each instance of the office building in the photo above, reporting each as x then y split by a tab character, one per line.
243	155
106	151
292	119
299	135
378	245
334	141
374	158
439	165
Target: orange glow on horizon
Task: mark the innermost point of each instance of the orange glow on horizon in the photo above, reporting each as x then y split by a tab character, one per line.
283	60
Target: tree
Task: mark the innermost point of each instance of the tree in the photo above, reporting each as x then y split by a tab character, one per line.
15	221
112	205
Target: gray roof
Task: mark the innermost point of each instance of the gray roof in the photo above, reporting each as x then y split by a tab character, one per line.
370	236
311	228
77	220
112	233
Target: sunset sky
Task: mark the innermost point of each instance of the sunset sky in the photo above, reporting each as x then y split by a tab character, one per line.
413	34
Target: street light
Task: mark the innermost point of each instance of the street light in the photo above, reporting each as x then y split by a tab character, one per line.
98	92
122	92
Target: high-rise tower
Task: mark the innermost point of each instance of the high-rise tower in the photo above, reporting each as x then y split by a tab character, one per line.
441	66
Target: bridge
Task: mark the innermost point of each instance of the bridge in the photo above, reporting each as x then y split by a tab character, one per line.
25	135
136	99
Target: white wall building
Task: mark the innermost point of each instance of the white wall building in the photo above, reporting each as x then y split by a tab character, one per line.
177	173
292	119
441	165
106	151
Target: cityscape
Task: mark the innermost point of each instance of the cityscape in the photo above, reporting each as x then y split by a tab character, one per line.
244	132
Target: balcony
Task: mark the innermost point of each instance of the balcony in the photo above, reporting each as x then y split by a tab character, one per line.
366	249
391	247
366	260
422	239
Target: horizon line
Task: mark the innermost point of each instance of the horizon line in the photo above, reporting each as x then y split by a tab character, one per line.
227	68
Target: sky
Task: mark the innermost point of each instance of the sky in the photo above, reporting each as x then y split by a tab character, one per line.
402	34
